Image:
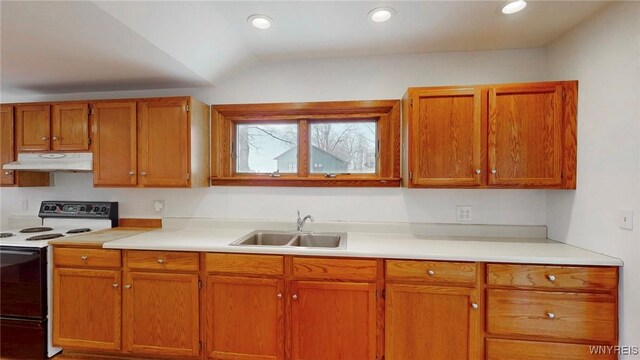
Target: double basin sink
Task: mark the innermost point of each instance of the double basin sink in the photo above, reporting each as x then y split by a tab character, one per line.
293	239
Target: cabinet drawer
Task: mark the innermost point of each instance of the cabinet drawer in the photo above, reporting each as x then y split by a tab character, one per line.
436	272
79	257
498	349
574	316
552	277
347	269
162	260
245	264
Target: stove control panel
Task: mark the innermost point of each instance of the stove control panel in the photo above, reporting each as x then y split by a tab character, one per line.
80	209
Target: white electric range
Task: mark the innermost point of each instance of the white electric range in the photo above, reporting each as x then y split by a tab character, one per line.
27	273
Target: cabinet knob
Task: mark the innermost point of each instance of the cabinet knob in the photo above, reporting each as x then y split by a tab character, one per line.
44	138
431	272
474	306
478	171
127	286
143	173
131	173
493	171
551	278
84	257
115	285
54	138
161	261
8	172
279	296
294	297
551	315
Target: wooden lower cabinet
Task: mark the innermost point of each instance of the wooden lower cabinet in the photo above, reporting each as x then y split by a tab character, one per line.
499	349
331	320
161	314
245	318
87	309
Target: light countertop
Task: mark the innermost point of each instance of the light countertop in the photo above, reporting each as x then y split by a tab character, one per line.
377	245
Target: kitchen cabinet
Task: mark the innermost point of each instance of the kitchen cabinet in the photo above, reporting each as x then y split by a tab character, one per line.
496	136
331	320
245	318
159	142
161	303
8	154
432	310
58	127
87	299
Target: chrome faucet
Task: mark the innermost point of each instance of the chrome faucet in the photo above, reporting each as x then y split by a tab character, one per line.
301	221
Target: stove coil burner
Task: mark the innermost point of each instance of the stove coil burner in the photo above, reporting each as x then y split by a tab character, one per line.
35	229
44	237
78	231
6	235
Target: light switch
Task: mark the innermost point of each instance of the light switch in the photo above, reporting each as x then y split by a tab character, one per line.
626	219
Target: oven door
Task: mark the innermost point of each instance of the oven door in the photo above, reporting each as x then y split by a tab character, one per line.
23	276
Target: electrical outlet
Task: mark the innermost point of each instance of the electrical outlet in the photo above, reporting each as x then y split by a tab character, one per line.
625	219
159	206
464	213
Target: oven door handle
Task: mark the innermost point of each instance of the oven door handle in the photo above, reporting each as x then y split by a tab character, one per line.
12	252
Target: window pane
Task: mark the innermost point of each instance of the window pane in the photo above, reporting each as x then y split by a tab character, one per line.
265	148
343	147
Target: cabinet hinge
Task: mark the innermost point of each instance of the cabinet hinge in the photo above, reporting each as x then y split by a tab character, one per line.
410	175
90	110
411	102
199	345
188	176
89	141
376	293
199	284
186	108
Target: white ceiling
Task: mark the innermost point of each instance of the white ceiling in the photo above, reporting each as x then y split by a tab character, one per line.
58	47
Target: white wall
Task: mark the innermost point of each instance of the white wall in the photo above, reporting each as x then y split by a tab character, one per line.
604	55
383	77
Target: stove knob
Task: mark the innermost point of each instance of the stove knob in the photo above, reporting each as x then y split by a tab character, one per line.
82	208
103	209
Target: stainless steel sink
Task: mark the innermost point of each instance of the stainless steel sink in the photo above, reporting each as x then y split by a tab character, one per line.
293	239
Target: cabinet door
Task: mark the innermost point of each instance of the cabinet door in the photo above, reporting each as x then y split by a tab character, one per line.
86	309
447	137
33	127
429	322
525	135
70	127
332	320
161	314
245	318
114	133
6	144
163	150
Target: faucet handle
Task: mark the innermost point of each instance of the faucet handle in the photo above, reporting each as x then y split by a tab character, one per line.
298	215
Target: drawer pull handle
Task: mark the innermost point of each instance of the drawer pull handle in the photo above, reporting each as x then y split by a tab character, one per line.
431	272
115	285
160	261
84	257
127	286
294	297
478	171
551	315
474	306
551	278
279	296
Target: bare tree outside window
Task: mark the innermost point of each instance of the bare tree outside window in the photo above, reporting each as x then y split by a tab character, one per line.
259	146
343	147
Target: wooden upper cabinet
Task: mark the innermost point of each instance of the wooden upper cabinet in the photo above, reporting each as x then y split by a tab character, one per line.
7	153
500	136
331	320
446	137
114	133
161	314
431	322
70	127
33	127
245	318
87	309
163	151
525	134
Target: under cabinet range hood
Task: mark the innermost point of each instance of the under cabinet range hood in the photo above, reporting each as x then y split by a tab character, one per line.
52	162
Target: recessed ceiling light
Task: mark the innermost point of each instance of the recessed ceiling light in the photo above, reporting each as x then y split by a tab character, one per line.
512	7
261	22
381	14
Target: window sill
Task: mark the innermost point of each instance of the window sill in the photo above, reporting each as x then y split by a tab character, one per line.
351	181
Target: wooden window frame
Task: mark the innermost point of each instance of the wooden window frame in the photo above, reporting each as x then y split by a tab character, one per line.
385	112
